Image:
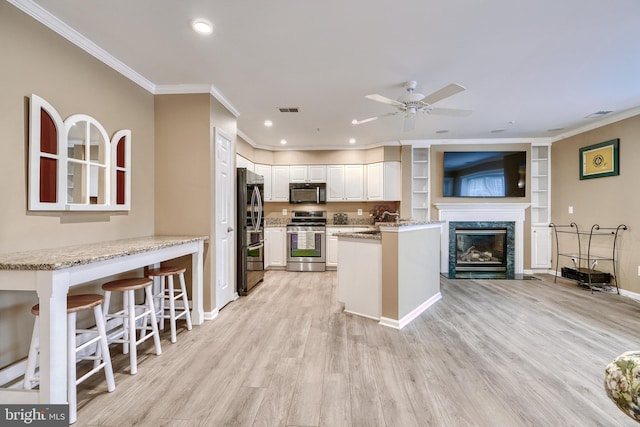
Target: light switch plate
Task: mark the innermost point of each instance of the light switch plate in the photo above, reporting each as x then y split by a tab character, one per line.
570	209
360	212
284	212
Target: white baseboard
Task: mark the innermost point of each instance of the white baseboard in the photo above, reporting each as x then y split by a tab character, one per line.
361	315
399	324
211	315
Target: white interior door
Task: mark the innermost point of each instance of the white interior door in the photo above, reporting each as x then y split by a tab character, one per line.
225	220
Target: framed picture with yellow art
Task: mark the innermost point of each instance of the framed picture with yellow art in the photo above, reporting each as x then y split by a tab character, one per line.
600	160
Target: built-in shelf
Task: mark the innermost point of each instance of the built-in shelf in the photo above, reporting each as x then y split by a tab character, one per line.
420	183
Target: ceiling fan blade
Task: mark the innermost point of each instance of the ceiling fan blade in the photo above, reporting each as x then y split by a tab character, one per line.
367	120
443	93
384	100
449	112
370	119
409	122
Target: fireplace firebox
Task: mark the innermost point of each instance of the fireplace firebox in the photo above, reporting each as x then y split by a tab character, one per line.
481	249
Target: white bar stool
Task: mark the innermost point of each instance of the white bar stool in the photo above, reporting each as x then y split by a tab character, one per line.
128	330
101	358
171	294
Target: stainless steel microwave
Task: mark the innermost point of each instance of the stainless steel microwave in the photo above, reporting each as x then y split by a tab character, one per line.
308	192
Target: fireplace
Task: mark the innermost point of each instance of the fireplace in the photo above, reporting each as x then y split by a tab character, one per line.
481	249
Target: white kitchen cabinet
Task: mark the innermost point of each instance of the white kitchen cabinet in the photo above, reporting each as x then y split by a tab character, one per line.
540	247
242	162
332	243
275	247
345	183
280	183
265	171
383	181
307	173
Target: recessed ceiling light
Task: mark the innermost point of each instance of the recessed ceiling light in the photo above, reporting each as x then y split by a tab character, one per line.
555	130
354	122
352	141
283	141
497	130
442	131
202	26
268	123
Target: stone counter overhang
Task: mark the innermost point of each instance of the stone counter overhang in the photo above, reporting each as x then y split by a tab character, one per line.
403	225
70	256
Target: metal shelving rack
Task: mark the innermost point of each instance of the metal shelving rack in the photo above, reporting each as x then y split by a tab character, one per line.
585	263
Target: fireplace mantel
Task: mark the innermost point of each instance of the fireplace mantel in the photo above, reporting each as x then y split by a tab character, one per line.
483	212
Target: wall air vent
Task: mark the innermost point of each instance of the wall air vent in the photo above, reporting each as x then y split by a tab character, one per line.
598	114
288	110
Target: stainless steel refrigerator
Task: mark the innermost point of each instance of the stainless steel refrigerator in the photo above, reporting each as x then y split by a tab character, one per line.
250	223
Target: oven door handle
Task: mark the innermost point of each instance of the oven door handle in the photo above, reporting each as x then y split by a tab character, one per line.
305	231
256	246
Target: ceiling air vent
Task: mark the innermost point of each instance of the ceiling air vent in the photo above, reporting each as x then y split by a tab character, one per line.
598	114
288	110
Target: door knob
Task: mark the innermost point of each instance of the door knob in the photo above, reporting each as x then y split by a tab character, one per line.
229	229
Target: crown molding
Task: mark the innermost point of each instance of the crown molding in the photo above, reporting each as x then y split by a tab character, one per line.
598	124
251	142
181	89
41	15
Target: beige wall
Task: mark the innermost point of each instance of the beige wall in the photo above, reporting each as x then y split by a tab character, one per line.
36	60
607	201
185	195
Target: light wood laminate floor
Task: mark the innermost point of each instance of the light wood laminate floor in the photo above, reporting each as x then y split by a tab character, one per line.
490	353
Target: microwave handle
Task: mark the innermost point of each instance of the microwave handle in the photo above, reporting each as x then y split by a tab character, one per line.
317	194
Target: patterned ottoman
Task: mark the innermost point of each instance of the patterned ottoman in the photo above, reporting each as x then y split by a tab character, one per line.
622	382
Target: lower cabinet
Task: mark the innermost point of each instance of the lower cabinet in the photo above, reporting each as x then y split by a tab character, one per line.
332	243
540	247
275	247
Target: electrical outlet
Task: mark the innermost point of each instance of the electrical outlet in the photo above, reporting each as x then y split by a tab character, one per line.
639	270
360	212
284	212
570	209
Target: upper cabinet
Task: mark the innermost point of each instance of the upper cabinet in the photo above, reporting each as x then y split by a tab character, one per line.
308	173
280	183
242	162
345	183
74	165
383	181
265	171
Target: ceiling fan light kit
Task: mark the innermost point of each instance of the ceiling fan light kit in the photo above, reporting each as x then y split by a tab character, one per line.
413	102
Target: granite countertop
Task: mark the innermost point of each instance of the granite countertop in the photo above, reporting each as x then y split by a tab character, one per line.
406	223
353	222
366	235
70	256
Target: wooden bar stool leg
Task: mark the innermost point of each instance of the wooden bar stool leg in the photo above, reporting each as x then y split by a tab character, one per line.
32	359
185	301
154	322
103	348
71	367
172	309
132	336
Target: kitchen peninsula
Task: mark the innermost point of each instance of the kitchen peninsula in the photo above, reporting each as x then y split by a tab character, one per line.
391	275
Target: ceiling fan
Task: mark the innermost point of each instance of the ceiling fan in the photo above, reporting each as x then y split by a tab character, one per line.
413	102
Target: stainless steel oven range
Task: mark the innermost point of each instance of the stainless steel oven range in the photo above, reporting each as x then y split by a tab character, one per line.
306	241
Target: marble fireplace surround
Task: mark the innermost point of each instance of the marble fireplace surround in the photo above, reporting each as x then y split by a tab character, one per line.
471	212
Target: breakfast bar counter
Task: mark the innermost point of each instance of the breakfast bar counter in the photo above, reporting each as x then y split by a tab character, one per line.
51	272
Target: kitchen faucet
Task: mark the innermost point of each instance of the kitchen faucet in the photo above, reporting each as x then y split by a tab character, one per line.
387	213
